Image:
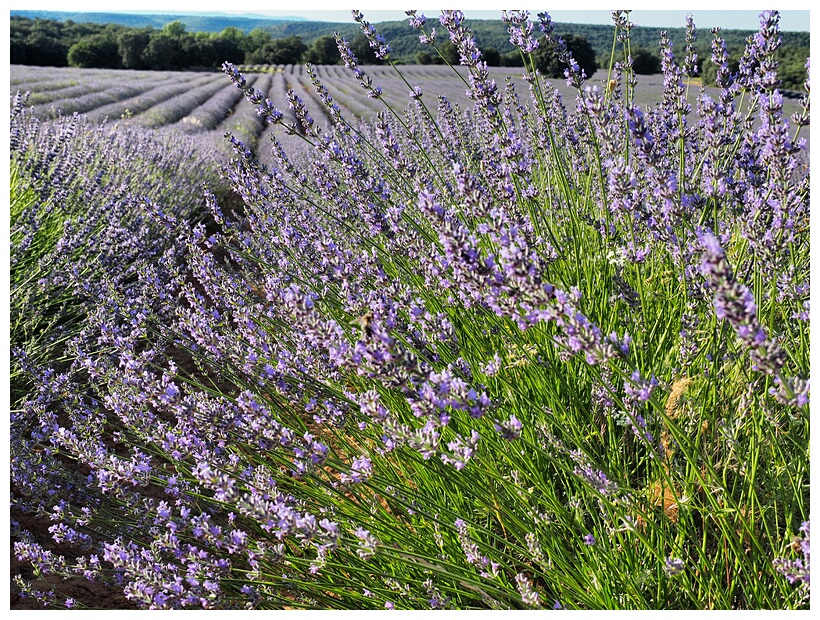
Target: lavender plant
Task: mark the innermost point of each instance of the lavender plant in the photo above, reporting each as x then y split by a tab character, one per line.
538	354
83	204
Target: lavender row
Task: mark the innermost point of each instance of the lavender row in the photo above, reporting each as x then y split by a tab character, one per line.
28	74
170	111
213	111
43	95
244	124
156	93
279	87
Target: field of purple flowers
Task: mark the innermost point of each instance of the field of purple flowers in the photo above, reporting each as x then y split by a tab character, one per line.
525	346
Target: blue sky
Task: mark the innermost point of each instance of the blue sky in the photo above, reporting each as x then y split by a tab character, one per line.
644	13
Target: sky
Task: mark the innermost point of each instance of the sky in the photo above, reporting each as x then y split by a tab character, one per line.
794	16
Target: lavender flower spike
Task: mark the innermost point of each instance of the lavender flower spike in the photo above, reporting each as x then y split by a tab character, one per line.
735	303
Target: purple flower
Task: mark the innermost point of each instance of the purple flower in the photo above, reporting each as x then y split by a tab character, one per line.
360	470
574	74
416	21
520	29
673	566
798	571
367	547
529	596
734	303
376	41
509	429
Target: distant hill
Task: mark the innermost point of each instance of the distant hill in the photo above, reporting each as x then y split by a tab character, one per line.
213	22
404	41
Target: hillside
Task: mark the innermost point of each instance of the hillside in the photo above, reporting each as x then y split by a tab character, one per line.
493	34
403	39
193	23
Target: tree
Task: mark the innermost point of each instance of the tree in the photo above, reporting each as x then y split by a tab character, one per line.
286	51
174	29
492	57
424	58
200	50
448	51
546	60
97	50
512	59
41	48
131	45
365	55
164	53
222	49
324	51
256	40
19	51
709	70
645	62
233	33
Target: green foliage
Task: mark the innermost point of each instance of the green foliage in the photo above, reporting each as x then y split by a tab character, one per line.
323	52
96	50
42	48
35	312
550	66
645	62
447	52
215	50
492	57
131	46
175	29
233	33
512	59
256	39
360	47
164	53
288	50
423	58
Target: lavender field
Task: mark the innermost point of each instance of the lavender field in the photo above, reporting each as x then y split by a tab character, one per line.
203	104
412	337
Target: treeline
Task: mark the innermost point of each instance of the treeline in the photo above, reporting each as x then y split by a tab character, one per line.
114	46
172	47
53	43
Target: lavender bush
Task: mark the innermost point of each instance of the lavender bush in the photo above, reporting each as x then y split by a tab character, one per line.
84	200
539	354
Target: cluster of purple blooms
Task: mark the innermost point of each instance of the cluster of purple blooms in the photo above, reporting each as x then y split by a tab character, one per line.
235	397
798	571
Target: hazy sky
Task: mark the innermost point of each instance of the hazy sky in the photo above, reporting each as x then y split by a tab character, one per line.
643	12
